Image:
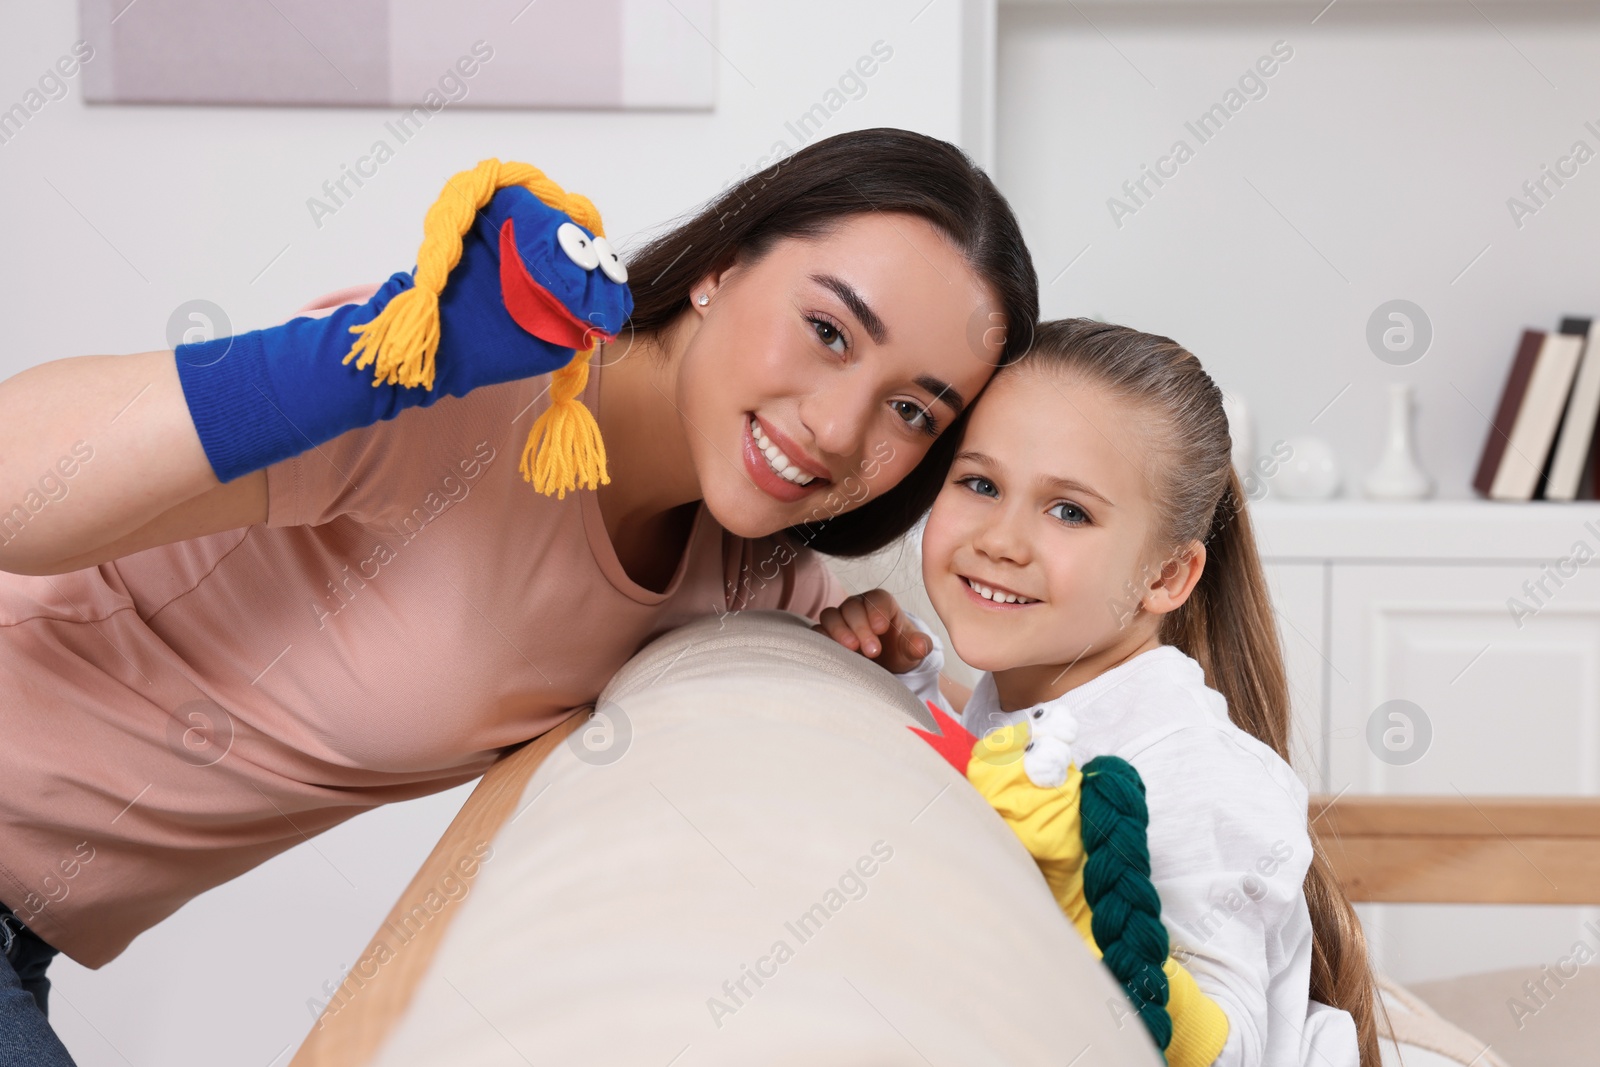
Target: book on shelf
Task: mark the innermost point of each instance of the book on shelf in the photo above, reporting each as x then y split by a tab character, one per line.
1505	415
1576	440
1518	448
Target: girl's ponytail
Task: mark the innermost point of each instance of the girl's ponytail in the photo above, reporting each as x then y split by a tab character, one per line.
1226	625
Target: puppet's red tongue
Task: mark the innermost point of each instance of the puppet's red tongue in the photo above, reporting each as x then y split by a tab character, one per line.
953	742
535	308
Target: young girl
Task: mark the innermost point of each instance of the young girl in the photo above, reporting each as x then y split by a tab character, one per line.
1091	553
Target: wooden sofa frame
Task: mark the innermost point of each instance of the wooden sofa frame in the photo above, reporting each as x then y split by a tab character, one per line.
1461	849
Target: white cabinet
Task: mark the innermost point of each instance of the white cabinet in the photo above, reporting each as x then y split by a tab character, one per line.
1509	709
1482	618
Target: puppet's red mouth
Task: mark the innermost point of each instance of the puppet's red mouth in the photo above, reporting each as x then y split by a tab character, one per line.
953	742
535	308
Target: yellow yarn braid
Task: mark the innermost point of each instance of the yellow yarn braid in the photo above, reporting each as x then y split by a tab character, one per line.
402	340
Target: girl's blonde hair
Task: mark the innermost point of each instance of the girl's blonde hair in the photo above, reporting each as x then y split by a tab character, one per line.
1226	625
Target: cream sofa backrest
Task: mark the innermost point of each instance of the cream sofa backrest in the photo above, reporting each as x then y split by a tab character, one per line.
747	858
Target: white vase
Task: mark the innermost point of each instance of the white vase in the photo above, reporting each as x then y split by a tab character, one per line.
1398	475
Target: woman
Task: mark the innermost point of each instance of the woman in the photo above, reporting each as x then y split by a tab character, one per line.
198	674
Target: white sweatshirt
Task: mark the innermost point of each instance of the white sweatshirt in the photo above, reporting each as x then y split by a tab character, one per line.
1228	844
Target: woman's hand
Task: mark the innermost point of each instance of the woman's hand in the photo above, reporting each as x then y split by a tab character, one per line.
874	624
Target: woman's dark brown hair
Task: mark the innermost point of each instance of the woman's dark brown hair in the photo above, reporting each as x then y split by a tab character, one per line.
805	195
1226	625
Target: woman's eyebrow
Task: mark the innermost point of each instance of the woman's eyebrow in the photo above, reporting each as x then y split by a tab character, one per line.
858	307
868	318
942	391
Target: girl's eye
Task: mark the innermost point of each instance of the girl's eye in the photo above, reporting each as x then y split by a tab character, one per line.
1073	515
829	334
916	416
979	484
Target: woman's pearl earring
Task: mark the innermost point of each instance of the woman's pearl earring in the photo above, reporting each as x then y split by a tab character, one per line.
704	300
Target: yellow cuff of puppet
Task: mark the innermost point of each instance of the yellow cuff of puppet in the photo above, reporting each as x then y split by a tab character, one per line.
1199	1025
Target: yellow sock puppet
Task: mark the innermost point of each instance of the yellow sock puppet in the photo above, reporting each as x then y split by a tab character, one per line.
1087	831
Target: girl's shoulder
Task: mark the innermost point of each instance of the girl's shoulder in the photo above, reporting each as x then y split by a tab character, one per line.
1219	798
1182	735
1221	762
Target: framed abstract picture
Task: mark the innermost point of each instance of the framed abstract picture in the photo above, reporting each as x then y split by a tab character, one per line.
467	53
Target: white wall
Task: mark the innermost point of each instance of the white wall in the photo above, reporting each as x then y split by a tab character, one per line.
1377	167
154	206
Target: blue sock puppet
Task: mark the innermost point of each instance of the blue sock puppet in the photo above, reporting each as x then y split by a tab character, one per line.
514	278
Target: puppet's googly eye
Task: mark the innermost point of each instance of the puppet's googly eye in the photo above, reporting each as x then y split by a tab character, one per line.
578	246
610	262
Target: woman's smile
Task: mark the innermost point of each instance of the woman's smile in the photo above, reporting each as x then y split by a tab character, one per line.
787	474
791	462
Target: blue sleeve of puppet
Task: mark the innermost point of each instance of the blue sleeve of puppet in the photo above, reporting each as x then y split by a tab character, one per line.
263	396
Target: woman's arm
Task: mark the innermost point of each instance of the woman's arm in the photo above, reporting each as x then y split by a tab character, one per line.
138	474
152	447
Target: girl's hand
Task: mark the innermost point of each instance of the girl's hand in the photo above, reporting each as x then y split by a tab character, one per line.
875	625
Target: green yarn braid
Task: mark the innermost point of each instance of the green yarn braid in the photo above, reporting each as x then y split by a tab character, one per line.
1126	919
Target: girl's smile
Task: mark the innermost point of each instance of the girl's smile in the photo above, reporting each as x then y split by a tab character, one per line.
995	596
